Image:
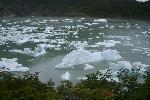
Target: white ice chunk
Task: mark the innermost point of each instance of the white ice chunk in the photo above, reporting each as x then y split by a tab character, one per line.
142	67
81	78
87	67
115	67
66	76
108	43
141	0
110	55
11	65
100	20
81	56
39	50
79	44
21	41
28	20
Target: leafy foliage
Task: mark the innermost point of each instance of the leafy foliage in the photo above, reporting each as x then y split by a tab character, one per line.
97	86
25	87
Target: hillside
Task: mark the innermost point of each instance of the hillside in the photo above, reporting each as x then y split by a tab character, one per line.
96	8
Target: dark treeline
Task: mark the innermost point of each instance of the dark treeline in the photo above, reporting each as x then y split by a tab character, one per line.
101	8
95	87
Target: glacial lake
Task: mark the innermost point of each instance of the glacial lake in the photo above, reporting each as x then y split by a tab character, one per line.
68	48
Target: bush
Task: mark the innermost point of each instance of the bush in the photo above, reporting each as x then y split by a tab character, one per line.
25	87
97	86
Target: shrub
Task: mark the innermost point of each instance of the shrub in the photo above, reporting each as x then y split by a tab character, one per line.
97	86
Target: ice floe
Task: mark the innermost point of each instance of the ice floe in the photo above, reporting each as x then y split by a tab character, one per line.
79	44
39	50
87	67
116	67
100	20
108	43
139	66
141	0
81	56
144	51
81	78
11	65
66	76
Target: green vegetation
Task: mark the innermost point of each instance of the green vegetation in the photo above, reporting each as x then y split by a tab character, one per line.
100	8
95	87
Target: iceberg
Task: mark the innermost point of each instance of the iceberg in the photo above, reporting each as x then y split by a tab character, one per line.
110	55
11	65
141	0
87	67
108	43
142	67
81	56
21	41
66	76
115	67
100	20
39	50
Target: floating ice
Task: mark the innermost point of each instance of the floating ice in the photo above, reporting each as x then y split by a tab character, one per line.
68	20
66	76
81	78
115	67
53	20
81	56
21	41
48	29
89	24
11	65
100	20
112	27
120	26
110	55
142	67
28	20
144	51
95	23
37	52
119	37
78	44
87	67
108	43
141	0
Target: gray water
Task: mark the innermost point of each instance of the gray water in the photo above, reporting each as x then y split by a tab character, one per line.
130	38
